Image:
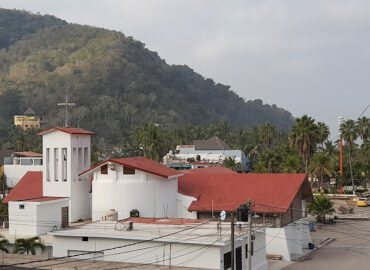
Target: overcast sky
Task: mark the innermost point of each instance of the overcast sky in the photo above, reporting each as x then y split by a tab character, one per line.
309	57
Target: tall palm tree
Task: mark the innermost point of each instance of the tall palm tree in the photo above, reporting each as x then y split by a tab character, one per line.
3	242
323	133
28	245
267	133
363	124
349	132
321	166
304	137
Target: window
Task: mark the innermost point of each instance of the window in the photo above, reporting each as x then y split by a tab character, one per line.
127	170
104	169
85	238
64	164
21	206
47	164
227	260
56	164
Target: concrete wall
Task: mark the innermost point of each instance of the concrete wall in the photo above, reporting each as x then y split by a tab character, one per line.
287	240
259	255
36	218
14	173
152	195
188	255
183	203
61	181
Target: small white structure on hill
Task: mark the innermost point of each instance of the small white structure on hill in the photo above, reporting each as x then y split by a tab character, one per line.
137	183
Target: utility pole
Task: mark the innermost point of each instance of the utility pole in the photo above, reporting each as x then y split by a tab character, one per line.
66	104
232	242
249	234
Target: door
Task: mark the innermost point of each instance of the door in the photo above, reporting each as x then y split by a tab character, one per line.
65	220
238	259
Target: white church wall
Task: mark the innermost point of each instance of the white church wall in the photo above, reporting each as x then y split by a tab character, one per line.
183	203
35	218
152	195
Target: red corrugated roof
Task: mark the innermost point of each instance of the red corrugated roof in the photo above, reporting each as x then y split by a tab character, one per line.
142	164
217	192
209	170
29	187
69	130
28	154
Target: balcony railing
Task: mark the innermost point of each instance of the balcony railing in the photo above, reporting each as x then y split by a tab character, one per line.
24	161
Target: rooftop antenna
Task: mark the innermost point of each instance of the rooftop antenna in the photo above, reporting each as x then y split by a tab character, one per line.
66	103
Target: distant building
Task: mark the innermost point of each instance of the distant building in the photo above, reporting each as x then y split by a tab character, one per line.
27	120
18	163
203	153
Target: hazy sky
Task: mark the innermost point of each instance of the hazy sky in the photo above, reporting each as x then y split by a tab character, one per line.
309	57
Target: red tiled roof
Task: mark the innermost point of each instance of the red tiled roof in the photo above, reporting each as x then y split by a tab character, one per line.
69	130
164	221
209	170
29	187
142	164
43	199
271	192
28	154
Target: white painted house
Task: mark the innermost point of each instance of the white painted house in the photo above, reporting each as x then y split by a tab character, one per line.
18	163
44	201
162	242
137	183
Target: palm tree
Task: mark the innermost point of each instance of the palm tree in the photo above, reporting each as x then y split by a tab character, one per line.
323	133
348	131
231	164
321	166
363	124
267	134
304	137
28	245
3	242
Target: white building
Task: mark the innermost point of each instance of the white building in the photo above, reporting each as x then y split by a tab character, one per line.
137	183
44	201
204	153
16	166
163	242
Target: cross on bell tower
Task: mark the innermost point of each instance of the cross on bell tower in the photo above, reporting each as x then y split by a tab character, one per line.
66	103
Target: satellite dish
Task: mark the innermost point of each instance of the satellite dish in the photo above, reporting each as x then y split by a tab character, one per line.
223	215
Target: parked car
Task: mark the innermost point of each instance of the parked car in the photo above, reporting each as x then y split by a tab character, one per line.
363	202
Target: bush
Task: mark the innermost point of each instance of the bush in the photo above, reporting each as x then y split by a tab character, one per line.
343	209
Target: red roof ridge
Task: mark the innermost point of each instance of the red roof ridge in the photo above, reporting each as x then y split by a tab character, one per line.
69	130
143	164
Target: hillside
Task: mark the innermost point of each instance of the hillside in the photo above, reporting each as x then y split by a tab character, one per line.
116	82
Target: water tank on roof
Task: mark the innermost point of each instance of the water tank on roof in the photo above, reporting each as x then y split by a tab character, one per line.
134	213
112	215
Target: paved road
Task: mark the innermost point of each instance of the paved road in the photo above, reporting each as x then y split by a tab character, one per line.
350	250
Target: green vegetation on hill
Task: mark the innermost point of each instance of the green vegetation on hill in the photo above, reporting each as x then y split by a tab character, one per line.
116	82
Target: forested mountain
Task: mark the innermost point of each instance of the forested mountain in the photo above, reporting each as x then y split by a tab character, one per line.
116	82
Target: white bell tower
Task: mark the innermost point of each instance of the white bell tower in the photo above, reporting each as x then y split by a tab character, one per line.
66	154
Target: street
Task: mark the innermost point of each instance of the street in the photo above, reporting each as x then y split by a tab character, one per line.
350	250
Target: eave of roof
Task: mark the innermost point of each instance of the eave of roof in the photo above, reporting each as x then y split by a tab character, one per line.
69	130
142	164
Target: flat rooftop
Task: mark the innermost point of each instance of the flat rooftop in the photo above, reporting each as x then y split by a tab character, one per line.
159	230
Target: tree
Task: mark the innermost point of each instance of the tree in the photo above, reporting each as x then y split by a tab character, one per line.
363	125
321	166
28	245
304	137
231	164
321	206
349	132
323	133
3	243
